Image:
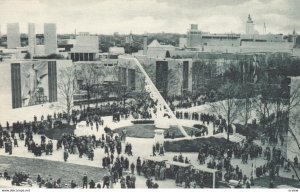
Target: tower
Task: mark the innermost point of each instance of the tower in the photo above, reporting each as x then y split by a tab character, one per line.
249	26
50	38
145	44
294	36
31	39
265	28
13	36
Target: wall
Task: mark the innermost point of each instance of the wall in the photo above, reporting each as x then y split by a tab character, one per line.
50	38
294	120
175	72
6	111
13	36
86	43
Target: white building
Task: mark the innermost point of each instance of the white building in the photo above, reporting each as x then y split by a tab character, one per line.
294	120
182	42
250	26
85	48
50	38
86	42
117	50
31	39
13	36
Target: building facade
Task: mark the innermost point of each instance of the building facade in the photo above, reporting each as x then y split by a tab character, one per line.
31	39
85	48
50	38
13	36
293	148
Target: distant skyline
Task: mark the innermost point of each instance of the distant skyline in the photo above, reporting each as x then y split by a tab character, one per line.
152	16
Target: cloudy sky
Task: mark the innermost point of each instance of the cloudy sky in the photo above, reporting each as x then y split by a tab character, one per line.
139	16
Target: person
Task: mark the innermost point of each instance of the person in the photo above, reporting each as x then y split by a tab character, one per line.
155	186
161	150
153	150
252	181
73	184
133	179
132	166
91	155
248	185
16	142
66	155
148	183
39	179
296	162
92	184
5	174
84	181
123	183
98	186
271	184
106	181
138	166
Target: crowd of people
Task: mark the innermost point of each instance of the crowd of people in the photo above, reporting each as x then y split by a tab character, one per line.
121	170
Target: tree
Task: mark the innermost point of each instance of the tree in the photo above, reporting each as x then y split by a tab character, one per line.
230	106
293	130
66	87
91	74
247	103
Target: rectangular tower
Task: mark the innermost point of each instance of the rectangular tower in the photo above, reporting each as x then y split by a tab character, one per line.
13	36
162	77
50	38
31	39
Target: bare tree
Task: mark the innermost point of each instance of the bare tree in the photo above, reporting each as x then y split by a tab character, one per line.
230	105
66	87
92	75
293	110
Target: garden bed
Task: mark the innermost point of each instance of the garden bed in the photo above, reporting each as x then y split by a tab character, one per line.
146	121
56	133
265	182
195	144
147	131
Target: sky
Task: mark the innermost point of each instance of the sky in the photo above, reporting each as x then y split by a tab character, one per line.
151	16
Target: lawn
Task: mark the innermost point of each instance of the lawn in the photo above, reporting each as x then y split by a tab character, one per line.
56	133
195	144
138	130
65	171
147	131
265	182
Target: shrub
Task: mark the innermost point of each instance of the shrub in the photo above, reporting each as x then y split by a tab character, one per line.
143	122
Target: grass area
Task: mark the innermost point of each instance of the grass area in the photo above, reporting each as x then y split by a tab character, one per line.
138	130
265	182
65	171
56	133
147	131
195	144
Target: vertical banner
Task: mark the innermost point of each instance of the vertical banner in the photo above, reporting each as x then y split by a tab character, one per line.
124	76
131	79
16	85
52	81
162	77
185	75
